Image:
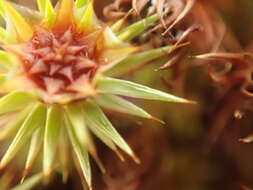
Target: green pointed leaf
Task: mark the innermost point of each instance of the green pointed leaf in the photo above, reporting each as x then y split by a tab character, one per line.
2	11
64	154
14	101
29	183
5	60
78	13
12	127
81	3
3	78
3	35
32	15
46	7
52	131
89	20
119	104
136	60
137	28
34	150
26	12
116	54
81	153
116	27
115	49
110	40
35	145
21	26
41	5
107	141
50	14
114	86
96	119
104	138
33	121
75	115
10	34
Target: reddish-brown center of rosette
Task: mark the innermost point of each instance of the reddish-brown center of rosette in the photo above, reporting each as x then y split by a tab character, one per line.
60	63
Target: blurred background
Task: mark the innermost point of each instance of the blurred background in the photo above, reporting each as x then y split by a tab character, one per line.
198	148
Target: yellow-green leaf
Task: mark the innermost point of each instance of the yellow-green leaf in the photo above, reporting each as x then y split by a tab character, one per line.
133	61
96	119
64	154
12	127
53	125
119	104
29	183
108	142
50	14
137	28
81	3
14	101
31	15
114	86
3	78
34	120
3	35
88	20
41	5
81	153
117	26
111	40
5	60
65	15
23	28
2	10
115	55
75	114
9	34
46	7
33	152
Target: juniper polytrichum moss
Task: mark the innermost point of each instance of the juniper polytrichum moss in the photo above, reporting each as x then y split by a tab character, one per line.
59	66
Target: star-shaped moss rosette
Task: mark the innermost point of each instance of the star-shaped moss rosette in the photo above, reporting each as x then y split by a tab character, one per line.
55	76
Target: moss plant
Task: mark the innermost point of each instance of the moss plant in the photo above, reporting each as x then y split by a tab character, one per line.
57	73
